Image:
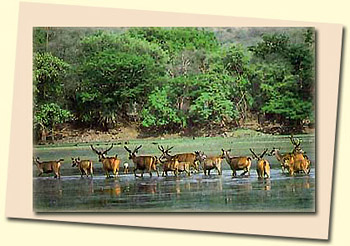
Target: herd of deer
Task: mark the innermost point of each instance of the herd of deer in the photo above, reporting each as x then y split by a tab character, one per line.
294	162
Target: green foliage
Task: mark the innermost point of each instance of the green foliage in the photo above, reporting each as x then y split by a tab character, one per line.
48	74
174	40
160	110
116	71
173	78
284	73
48	115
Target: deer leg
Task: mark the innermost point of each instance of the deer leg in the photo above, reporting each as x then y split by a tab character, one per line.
308	170
134	171
291	172
209	172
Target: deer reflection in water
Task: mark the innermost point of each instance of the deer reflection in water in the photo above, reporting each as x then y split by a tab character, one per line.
112	189
149	187
299	185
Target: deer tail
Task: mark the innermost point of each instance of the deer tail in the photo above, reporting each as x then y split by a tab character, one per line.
264	165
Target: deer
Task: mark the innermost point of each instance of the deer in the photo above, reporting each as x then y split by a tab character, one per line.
110	164
263	166
49	167
142	162
175	166
280	158
85	166
237	162
189	158
296	165
209	162
298	160
170	165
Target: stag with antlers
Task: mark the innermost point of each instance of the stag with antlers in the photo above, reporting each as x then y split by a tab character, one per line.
110	164
280	158
143	163
184	159
298	160
263	166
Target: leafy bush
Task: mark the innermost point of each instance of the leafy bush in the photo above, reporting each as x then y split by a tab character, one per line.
48	74
50	114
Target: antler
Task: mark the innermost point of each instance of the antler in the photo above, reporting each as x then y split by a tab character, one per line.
95	150
254	154
126	148
105	152
263	153
295	141
161	148
168	149
137	148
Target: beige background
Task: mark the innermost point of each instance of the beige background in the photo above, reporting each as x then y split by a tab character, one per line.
72	232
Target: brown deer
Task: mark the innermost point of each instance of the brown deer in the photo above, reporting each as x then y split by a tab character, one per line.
298	152
110	164
85	166
263	166
280	158
297	165
237	162
209	162
49	167
170	165
183	157
143	163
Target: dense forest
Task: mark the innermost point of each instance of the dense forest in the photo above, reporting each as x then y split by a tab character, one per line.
173	80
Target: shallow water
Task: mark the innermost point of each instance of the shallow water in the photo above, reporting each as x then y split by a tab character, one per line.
197	193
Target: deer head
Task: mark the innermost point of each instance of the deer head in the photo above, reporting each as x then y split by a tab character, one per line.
296	142
101	154
165	152
132	154
200	156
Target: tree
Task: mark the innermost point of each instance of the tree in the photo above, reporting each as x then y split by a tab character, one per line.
116	72
49	72
284	73
47	116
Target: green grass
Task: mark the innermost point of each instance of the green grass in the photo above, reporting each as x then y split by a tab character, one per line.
210	145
